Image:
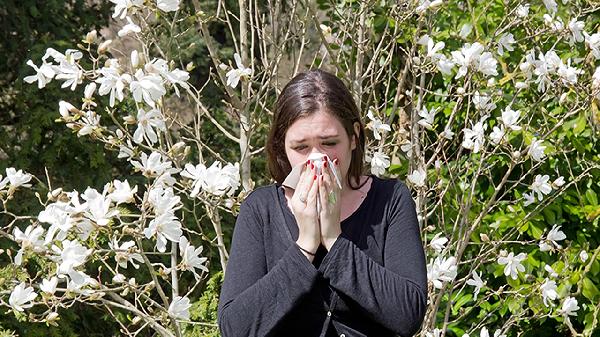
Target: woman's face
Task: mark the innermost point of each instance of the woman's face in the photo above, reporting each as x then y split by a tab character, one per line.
320	132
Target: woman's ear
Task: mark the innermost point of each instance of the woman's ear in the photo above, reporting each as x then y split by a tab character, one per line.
354	140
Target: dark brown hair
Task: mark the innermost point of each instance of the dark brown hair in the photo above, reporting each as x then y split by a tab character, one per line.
305	94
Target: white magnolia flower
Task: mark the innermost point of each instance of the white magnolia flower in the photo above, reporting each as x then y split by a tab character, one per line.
555	235
164	200
551	6
528	66
17	178
176	77
550	271
44	74
485	333
576	29
433	48
556	24
164	227
222	180
147	87
124	254
30	239
3	182
544	246
536	150
190	257
112	82
126	150
180	308
49	286
476	282
505	42
119	278
427	117
147	121
379	163
483	102
424	5
593	42
523	10
122	193
153	165
234	75
435	333
569	307
406	147
70	73
376	125
21	296
90	121
558	182
510	118
123	5
99	210
546	65
447	133
417	177
529	198
445	64
487	64
513	264
541	186
475	137
131	27
498	134
467	57
438	242
465	30
167	5
58	216
568	74
583	256
72	255
441	270
549	291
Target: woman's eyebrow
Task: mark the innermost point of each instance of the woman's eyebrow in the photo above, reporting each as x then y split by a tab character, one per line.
321	137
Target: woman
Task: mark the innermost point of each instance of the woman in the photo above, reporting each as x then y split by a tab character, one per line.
354	268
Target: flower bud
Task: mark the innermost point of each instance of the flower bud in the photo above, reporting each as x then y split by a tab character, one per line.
52	318
89	90
91	37
129	119
103	47
484	237
190	66
460	90
135	59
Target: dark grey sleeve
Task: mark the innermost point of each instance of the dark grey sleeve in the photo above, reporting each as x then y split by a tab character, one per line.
252	300
395	294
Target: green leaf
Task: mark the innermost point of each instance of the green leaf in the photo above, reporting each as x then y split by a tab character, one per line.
458	303
590	291
591	197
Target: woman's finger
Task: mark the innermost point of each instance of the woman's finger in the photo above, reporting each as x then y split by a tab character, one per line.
304	182
311	200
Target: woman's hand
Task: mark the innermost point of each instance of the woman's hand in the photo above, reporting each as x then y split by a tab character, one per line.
329	196
304	207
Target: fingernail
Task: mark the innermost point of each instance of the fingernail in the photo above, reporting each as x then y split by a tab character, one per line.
312	166
325	164
335	161
308	162
315	177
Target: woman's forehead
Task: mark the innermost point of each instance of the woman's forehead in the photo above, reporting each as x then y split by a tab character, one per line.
319	124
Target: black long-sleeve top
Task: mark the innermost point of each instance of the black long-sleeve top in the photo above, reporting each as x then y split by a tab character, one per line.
372	282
